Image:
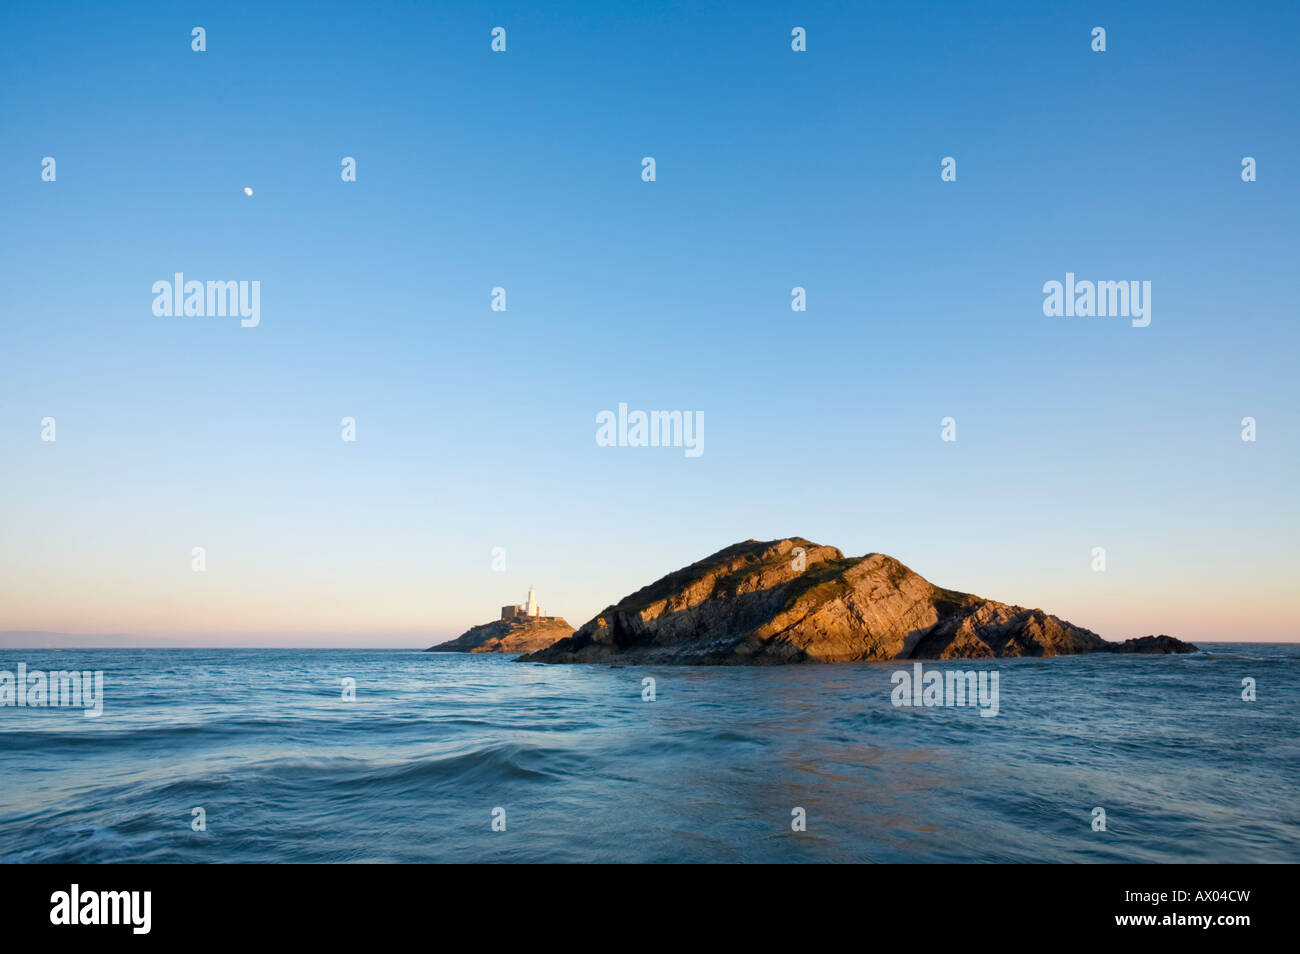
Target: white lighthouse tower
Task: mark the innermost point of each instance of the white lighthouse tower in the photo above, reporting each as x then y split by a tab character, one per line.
532	609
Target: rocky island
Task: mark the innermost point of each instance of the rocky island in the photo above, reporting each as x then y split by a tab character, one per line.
791	600
521	629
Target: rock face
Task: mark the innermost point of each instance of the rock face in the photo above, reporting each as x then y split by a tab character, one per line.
1153	644
787	601
507	636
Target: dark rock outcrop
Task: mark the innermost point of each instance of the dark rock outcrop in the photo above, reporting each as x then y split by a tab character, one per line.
1152	644
786	601
507	636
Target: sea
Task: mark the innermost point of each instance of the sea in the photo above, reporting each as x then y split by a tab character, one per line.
235	756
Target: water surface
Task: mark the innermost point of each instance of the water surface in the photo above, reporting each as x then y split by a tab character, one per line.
585	770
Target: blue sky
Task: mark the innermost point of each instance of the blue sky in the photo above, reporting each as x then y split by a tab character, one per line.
522	169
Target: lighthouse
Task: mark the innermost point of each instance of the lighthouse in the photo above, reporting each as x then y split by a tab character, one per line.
529	610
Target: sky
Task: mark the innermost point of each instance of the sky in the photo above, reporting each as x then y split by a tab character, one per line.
774	169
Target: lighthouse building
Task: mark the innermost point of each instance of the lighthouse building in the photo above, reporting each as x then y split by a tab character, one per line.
531	609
